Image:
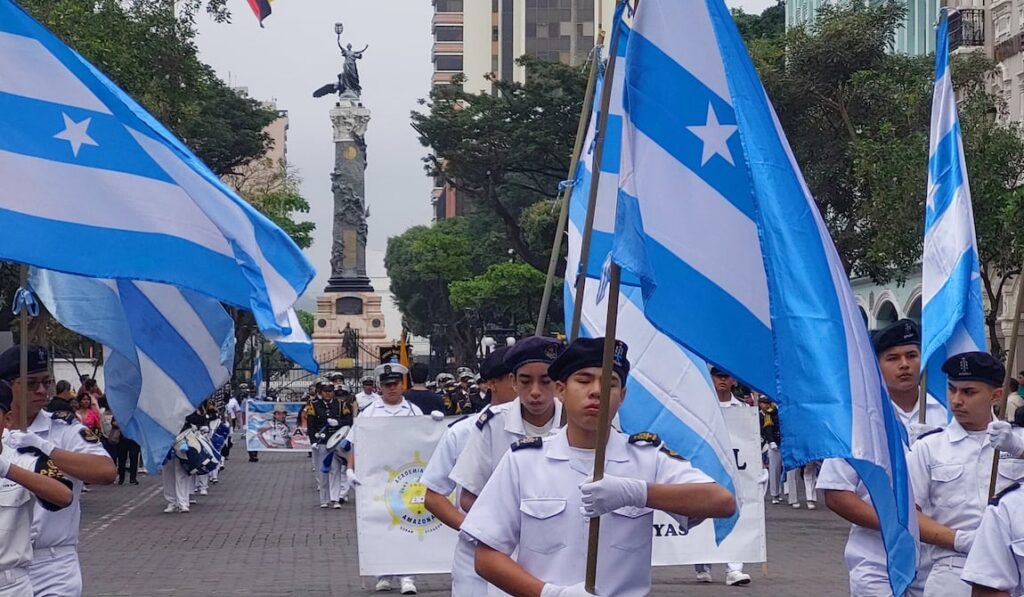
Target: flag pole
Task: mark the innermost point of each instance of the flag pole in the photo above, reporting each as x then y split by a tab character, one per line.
588	228
563	215
22	395
922	399
1011	354
603	423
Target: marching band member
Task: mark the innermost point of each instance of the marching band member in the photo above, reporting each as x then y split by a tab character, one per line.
534	413
328	412
77	452
950	468
27	478
531	521
465	581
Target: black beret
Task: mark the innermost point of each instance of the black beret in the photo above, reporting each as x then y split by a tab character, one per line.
493	365
588	352
535	349
902	333
10	361
6	396
975	366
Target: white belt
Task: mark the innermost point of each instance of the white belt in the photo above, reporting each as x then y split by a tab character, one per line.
9	577
957	560
40	554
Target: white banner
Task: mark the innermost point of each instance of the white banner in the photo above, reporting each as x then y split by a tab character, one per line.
746	543
396	533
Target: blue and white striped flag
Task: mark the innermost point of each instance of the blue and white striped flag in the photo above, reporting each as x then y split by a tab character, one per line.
94	185
669	388
715	220
165	349
257	374
953	316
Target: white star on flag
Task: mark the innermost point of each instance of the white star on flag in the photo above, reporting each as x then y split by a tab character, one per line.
714	136
76	133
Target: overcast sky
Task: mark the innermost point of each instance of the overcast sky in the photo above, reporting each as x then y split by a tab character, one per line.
295	54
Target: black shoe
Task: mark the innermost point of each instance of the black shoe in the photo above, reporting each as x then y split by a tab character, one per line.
120	481
133	482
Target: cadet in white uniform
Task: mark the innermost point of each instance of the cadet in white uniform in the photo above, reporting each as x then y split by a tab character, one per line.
531	521
995	567
899	357
534	413
391	403
950	468
368	395
494	372
77	452
25	477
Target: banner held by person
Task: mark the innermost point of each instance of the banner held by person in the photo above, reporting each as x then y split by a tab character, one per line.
275	427
396	533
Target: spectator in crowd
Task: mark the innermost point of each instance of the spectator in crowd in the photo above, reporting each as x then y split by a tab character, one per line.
418	394
62	398
88	414
128	453
1014	401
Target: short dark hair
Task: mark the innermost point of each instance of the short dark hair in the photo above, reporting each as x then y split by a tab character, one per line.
1014	385
419	372
63	386
89	384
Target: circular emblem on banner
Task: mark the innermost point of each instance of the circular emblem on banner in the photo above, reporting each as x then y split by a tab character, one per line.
405	499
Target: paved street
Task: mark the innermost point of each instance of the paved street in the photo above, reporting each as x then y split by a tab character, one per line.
259	532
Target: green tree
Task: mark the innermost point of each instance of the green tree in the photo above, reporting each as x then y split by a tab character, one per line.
507	292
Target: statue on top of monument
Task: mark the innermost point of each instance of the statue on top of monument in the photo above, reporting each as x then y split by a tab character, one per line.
348	79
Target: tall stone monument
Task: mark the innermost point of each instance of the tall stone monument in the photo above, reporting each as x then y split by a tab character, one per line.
348	313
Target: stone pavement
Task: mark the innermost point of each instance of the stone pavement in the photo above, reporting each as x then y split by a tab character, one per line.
260	532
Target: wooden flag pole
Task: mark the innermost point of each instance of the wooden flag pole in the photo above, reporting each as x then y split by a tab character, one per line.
922	400
603	422
1011	354
563	216
588	228
22	393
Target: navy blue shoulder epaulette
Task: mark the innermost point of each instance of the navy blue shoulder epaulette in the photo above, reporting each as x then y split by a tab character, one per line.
932	432
645	438
528	442
484	418
995	500
65	416
459	420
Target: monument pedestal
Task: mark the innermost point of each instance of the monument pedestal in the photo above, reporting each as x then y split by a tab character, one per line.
359	311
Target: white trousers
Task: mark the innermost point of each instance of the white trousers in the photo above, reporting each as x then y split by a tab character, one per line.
944	578
731	567
809	475
333	485
177	483
14	583
202	482
55	572
774	472
465	581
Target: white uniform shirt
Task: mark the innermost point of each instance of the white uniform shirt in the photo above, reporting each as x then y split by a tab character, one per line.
934	415
532	504
950	472
997	556
379	408
17	506
364	400
485	449
232	408
60	528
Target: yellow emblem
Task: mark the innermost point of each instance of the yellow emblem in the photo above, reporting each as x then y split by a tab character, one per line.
405	499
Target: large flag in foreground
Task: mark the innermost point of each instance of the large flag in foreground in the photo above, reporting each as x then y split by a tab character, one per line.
669	388
94	185
734	261
165	349
953	317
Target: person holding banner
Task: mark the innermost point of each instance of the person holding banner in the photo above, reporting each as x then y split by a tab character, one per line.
540	497
949	468
465	581
534	413
898	347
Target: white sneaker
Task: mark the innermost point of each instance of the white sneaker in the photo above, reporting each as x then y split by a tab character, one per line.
170	509
383	584
736	577
775	500
204	492
704	577
183	510
811	506
408	588
324	505
795	506
336	505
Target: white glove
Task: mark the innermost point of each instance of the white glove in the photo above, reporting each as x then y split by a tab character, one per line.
762	482
576	590
352	478
773	445
437	415
5	464
204	430
916	430
612	493
963	540
23	439
332	422
1001	436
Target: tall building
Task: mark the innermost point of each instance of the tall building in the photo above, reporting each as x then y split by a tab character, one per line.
264	171
1007	26
477	38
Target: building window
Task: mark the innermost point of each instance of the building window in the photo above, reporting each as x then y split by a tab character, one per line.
448	62
447	33
448	5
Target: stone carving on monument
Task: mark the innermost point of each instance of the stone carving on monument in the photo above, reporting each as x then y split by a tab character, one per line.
349	307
